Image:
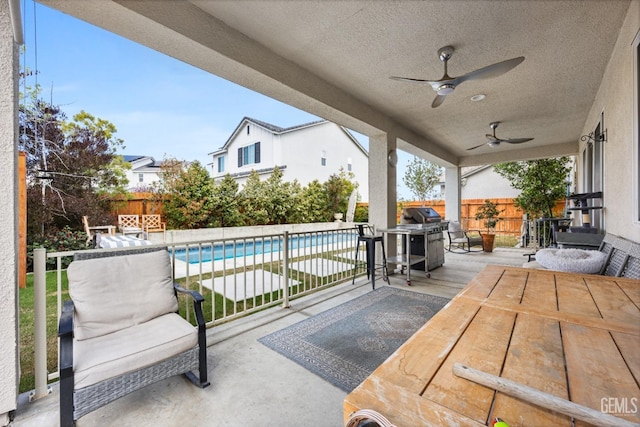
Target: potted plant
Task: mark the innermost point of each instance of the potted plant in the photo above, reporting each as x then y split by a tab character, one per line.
489	214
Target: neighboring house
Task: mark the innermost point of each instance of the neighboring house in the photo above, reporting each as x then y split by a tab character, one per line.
144	171
479	182
312	151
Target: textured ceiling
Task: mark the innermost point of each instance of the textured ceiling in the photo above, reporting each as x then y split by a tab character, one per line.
334	59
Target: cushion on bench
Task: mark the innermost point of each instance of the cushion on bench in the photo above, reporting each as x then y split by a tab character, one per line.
104	304
572	260
130	349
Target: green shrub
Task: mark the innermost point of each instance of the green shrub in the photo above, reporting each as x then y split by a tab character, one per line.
57	241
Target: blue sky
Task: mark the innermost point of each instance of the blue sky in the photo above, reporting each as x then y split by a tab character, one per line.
160	106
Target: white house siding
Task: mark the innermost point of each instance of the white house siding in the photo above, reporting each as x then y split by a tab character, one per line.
8	217
302	151
297	151
486	184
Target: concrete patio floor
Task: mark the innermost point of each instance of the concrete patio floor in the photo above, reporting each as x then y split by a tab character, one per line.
252	385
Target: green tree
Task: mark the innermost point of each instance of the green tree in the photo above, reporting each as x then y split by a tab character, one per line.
313	203
541	183
338	188
254	200
421	177
226	205
188	191
71	166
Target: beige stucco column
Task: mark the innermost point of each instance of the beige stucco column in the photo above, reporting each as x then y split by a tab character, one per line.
382	184
8	215
452	193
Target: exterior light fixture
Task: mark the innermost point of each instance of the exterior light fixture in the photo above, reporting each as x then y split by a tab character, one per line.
478	97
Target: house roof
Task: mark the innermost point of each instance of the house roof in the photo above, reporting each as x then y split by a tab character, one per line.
280	130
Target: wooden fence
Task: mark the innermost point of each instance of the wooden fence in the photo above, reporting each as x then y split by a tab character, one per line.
137	204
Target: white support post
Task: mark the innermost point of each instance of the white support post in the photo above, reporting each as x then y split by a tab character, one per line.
285	274
40	322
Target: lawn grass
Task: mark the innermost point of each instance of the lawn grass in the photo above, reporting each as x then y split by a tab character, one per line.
213	301
27	328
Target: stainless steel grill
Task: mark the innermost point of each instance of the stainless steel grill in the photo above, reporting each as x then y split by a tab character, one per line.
428	219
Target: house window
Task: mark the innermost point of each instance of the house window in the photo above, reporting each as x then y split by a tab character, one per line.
349	165
220	164
323	158
140	177
248	130
249	155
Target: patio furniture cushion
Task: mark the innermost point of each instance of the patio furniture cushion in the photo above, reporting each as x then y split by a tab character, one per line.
572	260
131	349
101	308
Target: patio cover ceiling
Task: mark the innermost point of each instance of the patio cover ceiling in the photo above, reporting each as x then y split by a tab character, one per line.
333	59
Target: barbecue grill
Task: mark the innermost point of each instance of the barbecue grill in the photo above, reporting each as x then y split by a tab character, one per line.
431	221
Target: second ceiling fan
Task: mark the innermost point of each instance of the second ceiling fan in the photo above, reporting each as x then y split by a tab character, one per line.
494	141
447	84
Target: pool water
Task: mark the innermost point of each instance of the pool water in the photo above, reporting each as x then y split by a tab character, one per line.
256	247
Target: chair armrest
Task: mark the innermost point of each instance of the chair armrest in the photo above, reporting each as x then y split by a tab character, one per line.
198	299
65	333
65	326
478	232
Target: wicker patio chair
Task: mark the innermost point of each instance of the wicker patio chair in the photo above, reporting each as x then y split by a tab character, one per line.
460	239
121	332
632	266
617	250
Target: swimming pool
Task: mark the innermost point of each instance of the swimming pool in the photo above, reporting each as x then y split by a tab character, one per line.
258	246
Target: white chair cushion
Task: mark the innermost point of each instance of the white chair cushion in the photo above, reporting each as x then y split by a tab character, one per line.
118	292
130	349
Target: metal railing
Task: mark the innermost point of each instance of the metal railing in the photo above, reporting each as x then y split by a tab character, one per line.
236	277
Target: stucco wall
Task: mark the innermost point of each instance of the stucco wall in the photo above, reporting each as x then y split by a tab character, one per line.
8	219
615	98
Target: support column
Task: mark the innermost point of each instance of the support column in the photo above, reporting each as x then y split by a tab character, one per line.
9	363
382	181
452	193
382	186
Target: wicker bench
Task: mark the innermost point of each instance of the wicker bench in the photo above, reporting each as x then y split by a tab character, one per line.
121	330
623	257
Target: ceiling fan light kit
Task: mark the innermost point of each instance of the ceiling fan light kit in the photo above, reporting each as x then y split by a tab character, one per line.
446	84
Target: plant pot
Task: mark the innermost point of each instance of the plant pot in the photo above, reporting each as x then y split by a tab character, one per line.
487	242
338	216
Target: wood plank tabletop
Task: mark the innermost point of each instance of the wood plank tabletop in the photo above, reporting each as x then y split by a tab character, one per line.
573	337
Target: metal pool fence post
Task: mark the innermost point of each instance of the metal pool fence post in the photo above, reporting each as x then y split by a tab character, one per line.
40	322
285	251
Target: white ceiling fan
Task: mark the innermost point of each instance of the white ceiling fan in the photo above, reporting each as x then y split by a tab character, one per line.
494	141
447	84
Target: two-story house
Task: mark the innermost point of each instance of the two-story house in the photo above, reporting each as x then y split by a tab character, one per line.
144	171
312	151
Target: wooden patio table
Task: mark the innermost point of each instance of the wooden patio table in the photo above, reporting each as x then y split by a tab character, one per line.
576	337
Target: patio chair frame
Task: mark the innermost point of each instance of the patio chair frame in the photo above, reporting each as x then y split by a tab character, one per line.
464	240
75	403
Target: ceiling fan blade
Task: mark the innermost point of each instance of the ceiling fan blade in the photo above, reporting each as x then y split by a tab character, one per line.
494	70
438	100
477	146
433	83
517	140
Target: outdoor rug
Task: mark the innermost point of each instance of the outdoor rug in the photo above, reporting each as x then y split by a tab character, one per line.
346	343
